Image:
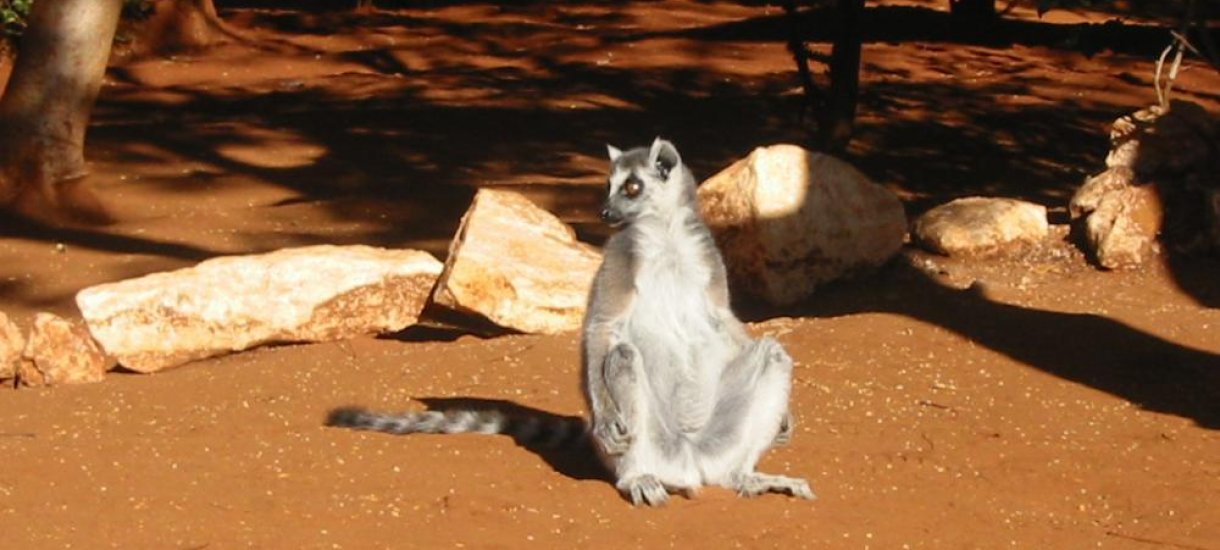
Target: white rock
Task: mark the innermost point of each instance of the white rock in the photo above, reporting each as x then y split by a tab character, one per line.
12	345
60	352
787	220
981	226
517	265
309	294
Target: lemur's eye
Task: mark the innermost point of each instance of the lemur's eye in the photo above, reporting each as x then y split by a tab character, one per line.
633	189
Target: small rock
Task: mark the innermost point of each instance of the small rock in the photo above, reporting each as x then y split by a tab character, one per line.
28	375
1123	229
981	226
12	345
517	265
787	219
1121	219
308	294
1095	188
1125	139
60	352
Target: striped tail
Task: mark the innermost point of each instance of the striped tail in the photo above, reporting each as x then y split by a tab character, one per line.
530	431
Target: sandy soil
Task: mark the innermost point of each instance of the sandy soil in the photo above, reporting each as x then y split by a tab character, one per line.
1033	403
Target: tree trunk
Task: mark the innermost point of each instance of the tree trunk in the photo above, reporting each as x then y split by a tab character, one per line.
813	100
837	119
183	26
45	110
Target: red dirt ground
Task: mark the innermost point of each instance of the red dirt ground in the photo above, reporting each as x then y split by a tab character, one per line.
1032	403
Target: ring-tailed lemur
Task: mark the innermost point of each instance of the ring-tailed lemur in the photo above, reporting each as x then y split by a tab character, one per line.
679	395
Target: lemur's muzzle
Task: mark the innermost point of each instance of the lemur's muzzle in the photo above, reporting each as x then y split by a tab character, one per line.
611	217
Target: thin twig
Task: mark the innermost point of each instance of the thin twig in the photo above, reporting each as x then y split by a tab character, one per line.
1156	75
1184	42
1173	73
1179	47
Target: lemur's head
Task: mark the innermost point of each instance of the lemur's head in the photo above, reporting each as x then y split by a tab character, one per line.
645	182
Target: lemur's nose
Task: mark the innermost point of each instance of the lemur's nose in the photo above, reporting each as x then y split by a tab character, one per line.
609	216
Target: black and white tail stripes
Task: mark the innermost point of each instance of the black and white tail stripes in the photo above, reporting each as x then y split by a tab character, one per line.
530	431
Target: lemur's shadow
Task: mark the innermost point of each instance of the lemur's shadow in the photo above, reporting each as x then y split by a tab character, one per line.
577	460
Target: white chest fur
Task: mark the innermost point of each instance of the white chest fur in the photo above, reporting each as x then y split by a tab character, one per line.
671	281
684	346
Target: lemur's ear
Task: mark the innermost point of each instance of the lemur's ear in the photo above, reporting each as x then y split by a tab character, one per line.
614	152
664	156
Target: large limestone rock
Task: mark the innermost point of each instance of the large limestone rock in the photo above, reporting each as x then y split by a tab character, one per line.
981	226
60	352
308	294
788	220
518	266
12	345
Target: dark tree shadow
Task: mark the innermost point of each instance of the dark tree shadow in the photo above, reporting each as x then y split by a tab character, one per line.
17	226
390	146
1151	372
1198	277
387	141
891	24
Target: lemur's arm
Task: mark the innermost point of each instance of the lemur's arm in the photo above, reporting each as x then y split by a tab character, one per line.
718	294
610	301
